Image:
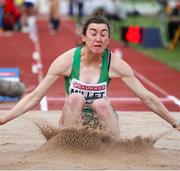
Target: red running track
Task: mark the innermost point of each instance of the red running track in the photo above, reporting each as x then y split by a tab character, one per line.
16	51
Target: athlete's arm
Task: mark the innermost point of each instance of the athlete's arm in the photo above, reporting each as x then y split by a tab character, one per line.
60	66
29	101
120	68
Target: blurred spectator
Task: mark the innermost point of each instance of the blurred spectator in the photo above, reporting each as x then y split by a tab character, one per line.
174	21
172	6
19	5
71	9
1	15
19	2
114	12
80	5
29	13
119	11
11	15
99	12
54	16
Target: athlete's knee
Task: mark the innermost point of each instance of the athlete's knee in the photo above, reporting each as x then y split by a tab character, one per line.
76	100
102	106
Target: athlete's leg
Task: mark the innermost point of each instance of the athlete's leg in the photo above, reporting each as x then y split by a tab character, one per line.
72	111
109	121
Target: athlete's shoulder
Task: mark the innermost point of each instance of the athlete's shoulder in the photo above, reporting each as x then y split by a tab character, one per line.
119	67
69	52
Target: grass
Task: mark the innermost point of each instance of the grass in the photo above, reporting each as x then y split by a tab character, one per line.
164	55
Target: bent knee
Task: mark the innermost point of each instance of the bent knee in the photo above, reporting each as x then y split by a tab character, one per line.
102	106
76	100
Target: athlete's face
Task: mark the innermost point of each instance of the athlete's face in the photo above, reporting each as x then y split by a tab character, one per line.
96	38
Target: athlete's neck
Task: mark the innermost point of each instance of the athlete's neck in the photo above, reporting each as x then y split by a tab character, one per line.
89	58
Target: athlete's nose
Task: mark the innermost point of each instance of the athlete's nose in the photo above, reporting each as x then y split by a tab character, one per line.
98	37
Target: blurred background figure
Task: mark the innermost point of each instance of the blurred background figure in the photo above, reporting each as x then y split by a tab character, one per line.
1	15
54	16
173	25
28	19
174	19
11	15
19	5
71	9
80	7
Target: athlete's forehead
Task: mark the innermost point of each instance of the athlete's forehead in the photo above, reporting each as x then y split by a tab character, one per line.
97	27
96	20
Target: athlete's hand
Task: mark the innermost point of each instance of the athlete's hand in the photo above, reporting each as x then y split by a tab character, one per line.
177	124
178	127
2	120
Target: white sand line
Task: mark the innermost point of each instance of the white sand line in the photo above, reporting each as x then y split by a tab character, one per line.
118	99
174	99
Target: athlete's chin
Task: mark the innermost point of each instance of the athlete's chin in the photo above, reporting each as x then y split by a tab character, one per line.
98	51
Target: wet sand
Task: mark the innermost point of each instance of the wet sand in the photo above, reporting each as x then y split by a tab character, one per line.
33	142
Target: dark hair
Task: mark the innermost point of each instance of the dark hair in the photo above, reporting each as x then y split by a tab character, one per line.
98	20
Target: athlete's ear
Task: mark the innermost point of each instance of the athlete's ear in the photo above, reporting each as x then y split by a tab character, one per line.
83	37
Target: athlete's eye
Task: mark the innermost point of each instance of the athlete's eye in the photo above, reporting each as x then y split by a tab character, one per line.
93	33
104	34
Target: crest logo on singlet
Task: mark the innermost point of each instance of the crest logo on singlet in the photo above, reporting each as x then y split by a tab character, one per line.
89	91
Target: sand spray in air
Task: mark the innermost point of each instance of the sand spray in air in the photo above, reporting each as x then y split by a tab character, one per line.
88	139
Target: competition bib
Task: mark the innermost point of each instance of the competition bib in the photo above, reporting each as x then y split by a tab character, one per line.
89	91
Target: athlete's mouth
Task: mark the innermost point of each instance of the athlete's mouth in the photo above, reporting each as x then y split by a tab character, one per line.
97	45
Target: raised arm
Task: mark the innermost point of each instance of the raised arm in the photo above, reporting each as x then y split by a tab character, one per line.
120	68
60	66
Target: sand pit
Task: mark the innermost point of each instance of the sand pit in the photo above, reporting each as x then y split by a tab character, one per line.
34	142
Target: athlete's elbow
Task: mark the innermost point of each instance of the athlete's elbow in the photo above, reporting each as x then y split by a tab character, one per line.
34	98
149	99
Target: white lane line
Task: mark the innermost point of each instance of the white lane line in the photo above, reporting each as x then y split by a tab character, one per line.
150	83
43	104
62	99
157	88
174	99
37	67
114	99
